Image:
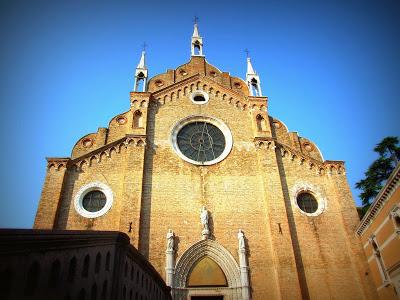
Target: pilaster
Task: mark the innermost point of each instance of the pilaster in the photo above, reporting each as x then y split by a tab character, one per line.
51	193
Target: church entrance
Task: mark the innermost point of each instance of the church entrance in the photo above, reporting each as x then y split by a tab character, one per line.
207	298
207	271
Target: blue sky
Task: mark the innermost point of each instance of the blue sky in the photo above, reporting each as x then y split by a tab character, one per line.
330	69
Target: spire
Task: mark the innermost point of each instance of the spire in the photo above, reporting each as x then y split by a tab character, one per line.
252	79
142	64
141	72
197	40
196	31
250	70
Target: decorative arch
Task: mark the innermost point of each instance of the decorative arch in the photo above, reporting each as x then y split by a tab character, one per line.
217	253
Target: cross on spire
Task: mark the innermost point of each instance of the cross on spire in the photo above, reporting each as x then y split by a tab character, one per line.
144	46
195	20
247	52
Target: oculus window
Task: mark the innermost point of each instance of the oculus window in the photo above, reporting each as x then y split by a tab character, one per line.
307	203
201	140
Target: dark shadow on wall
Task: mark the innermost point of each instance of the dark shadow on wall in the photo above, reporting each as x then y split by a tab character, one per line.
292	225
147	185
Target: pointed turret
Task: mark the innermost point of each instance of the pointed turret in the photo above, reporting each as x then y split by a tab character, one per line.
141	73
253	80
197	41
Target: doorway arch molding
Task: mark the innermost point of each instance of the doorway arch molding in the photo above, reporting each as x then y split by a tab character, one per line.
213	250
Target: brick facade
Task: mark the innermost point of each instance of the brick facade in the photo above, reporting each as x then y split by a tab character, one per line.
290	255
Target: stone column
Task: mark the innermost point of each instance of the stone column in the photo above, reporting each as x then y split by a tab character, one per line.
170	259
244	268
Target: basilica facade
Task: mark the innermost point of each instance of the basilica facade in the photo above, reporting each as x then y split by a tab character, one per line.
221	197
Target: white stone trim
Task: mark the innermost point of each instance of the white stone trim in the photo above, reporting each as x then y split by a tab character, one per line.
221	256
388	240
88	188
301	187
199	93
201	118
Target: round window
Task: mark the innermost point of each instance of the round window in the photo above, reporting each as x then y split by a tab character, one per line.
201	140
93	200
307	203
199	97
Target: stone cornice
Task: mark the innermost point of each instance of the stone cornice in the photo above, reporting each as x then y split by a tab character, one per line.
326	167
97	154
392	184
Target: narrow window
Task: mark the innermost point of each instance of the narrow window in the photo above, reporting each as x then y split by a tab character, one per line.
86	263
54	273
93	294
98	263
126	269
32	280
108	257
104	290
72	269
138	119
261	124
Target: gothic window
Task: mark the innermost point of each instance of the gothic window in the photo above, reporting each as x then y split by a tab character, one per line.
54	273
104	290
307	202
72	269
86	264
108	256
261	124
138	119
98	263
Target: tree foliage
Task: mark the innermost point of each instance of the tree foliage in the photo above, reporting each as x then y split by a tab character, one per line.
380	170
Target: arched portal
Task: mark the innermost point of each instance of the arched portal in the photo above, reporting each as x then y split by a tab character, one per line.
207	256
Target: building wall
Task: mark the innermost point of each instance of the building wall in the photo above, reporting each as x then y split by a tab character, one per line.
290	255
381	225
75	265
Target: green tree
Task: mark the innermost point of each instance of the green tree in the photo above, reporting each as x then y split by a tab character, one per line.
380	170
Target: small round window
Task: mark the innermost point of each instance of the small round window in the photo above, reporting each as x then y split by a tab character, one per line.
94	201
307	203
199	97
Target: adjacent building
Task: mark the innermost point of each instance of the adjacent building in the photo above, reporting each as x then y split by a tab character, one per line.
379	231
